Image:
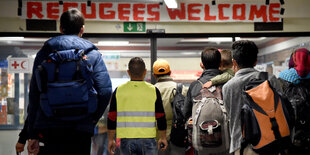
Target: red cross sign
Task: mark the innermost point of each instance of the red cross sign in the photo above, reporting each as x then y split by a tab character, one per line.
20	65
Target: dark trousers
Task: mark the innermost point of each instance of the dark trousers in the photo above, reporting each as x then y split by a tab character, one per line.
65	142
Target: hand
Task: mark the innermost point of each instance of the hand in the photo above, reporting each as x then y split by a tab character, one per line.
208	84
19	147
162	142
33	146
111	147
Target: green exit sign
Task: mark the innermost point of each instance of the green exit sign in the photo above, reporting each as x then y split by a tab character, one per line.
134	26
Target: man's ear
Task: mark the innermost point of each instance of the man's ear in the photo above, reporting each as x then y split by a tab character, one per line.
82	31
235	65
255	63
144	73
60	29
128	73
202	66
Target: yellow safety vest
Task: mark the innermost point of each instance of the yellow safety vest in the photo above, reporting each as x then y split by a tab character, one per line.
135	103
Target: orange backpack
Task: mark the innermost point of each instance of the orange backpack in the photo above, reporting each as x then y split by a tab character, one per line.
265	117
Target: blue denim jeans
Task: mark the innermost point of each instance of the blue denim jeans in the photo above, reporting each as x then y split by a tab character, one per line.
138	146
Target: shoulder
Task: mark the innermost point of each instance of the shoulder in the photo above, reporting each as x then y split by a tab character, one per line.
287	72
150	85
70	42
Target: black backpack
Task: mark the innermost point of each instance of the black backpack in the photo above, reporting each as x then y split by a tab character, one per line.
178	131
299	97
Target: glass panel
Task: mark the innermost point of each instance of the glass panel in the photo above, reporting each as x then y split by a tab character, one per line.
118	51
183	55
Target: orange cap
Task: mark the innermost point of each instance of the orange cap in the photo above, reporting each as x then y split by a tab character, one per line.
161	66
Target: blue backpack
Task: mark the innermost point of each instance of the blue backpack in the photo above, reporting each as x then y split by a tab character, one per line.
66	87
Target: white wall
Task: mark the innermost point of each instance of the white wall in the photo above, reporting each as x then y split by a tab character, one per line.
296	19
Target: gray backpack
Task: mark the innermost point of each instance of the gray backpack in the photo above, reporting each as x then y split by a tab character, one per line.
210	122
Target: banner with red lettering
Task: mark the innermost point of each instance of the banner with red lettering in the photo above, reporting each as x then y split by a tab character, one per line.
235	11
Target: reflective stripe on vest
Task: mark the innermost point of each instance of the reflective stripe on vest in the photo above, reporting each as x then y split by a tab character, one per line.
135	101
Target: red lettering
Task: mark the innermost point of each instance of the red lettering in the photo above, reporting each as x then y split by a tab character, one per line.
122	12
262	12
173	13
137	12
272	11
34	8
110	13
221	11
52	10
150	11
191	11
92	14
67	6
207	13
237	16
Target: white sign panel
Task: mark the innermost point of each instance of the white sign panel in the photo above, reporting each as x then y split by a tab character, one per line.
278	69
20	65
261	68
206	11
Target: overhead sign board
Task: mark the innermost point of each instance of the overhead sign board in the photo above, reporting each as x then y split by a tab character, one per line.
134	26
203	11
20	65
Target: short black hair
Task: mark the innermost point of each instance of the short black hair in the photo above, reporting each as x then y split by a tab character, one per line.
136	67
72	21
211	58
245	53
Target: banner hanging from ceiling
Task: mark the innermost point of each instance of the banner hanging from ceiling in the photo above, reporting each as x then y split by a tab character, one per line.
235	11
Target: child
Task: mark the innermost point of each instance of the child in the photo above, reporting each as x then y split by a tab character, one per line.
226	67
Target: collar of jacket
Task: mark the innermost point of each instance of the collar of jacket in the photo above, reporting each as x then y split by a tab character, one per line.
164	78
64	42
210	72
243	71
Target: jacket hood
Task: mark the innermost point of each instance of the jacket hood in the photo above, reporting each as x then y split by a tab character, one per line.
65	42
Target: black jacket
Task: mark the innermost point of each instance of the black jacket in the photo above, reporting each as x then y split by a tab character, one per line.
194	89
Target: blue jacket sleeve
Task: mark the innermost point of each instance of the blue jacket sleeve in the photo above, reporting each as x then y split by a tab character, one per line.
102	84
34	93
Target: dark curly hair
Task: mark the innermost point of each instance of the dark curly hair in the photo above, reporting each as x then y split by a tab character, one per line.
245	53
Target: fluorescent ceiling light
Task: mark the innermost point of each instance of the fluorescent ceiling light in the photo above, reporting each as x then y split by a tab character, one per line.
23	39
113	43
11	38
211	39
171	3
220	39
257	39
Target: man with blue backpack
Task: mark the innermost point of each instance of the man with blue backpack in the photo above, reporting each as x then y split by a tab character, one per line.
70	89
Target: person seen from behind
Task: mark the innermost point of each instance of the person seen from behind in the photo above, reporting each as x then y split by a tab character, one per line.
167	87
59	136
299	67
135	108
225	67
210	63
244	58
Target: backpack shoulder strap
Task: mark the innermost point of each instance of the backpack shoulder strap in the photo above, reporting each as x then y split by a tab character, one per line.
263	75
179	88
